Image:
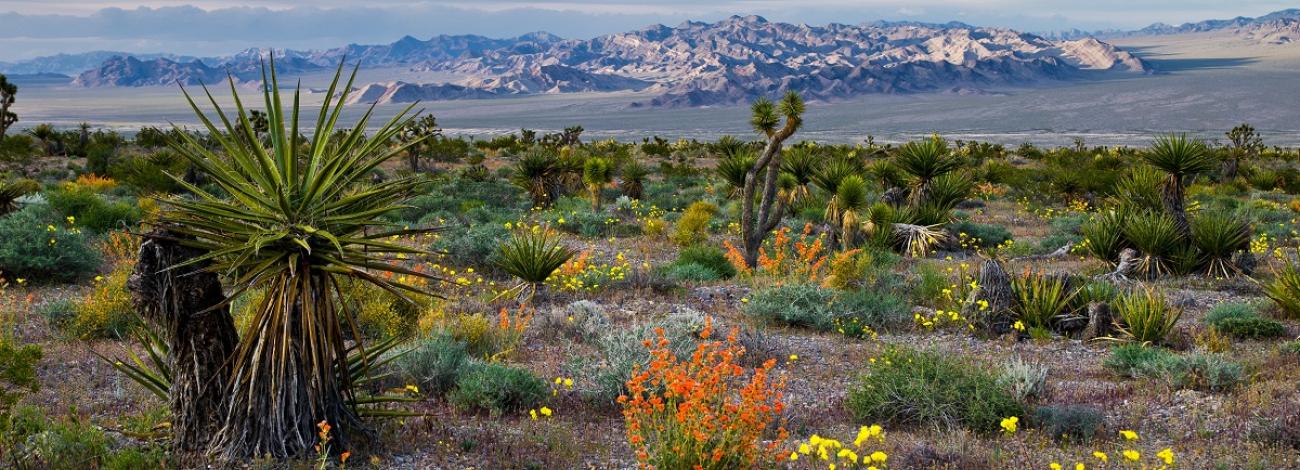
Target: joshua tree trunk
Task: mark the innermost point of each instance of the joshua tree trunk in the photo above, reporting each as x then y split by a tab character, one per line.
754	230
177	302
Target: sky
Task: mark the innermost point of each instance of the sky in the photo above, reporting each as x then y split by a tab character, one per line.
216	27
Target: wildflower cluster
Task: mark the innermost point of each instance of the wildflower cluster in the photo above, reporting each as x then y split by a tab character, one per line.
804	257
820	452
1128	454
581	274
702	412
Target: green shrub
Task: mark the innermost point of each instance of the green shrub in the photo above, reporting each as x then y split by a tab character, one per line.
930	389
981	235
93	211
1145	317
1242	320
693	227
1291	347
1025	380
1074	423
132	458
474	245
690	272
928	284
434	364
605	377
68	444
497	388
1284	290
106	311
39	248
1135	360
709	257
823	309
1201	371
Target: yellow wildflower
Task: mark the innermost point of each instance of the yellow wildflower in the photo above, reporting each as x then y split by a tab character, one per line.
1129	435
1132	455
1166	455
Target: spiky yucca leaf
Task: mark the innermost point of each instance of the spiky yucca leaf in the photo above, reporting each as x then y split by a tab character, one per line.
1284	289
848	208
1041	298
292	218
1179	156
733	167
1104	234
532	255
11	191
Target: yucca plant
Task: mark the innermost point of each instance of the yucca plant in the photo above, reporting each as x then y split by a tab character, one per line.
733	167
12	190
632	178
532	255
923	161
596	174
1139	189
1104	234
1155	235
1284	290
539	173
292	219
1180	158
1144	317
1041	298
801	163
1217	236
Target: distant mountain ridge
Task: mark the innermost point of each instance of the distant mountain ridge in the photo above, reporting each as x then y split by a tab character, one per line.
1278	18
692	64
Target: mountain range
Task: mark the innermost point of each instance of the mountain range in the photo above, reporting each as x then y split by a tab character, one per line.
692	64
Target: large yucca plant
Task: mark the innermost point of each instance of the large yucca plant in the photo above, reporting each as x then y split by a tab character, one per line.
1284	289
11	191
539	173
292	218
801	163
1217	236
734	165
848	208
1143	316
1140	189
1155	235
1180	158
596	174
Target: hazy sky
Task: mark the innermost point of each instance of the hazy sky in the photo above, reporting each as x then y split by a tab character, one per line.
212	27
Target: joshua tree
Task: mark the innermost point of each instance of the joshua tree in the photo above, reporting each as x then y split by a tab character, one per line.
596	173
766	117
1180	158
415	135
298	221
1246	144
7	92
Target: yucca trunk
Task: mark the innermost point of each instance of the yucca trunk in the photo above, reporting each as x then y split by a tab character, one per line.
284	378
200	341
594	189
1176	206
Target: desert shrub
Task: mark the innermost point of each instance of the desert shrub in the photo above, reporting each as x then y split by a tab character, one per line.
1135	360
66	444
497	388
1242	320
17	148
1025	380
131	458
1291	347
708	257
483	335
622	351
434	363
913	387
92	210
474	244
1196	371
927	284
693	226
1144	316
149	174
1066	228
980	235
1200	371
40	248
380	314
823	309
1284	290
717	416
106	310
1074	423
583	320
57	311
690	272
